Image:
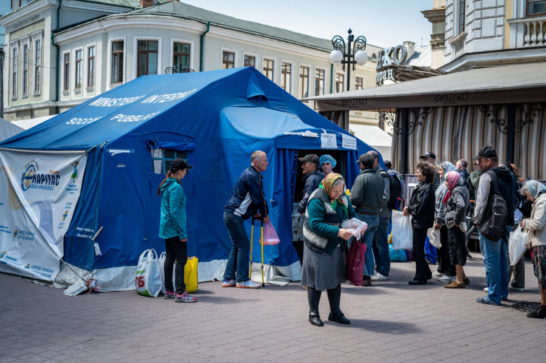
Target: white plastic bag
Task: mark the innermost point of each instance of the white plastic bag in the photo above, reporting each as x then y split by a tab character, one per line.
356	226
517	244
162	258
434	237
402	232
148	274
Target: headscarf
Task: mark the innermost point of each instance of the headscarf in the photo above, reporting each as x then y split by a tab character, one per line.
327	183
447	166
327	158
452	181
534	188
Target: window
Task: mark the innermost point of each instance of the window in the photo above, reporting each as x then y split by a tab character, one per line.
536	7
37	66
117	62
359	82
304	82
249	60
147	57
286	76
66	71
319	81
91	67
78	70
268	68
228	60
339	82
14	65
162	159
460	16
25	70
181	57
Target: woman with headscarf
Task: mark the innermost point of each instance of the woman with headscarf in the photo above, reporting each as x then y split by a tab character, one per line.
327	163
324	246
446	271
535	192
457	199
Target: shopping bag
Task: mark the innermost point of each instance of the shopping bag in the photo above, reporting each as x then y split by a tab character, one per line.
355	263
190	274
397	255
517	244
402	232
162	258
270	235
434	237
148	274
355	226
431	254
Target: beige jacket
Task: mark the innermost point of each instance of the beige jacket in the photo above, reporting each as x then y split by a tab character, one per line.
536	225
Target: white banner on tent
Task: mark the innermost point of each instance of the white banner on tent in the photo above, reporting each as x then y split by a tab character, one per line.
40	194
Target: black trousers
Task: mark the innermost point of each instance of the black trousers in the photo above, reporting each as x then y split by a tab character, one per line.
178	251
422	271
444	262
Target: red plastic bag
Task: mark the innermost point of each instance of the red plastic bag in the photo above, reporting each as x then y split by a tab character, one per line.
355	263
270	235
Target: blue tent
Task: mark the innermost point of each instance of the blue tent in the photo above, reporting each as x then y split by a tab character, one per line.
214	119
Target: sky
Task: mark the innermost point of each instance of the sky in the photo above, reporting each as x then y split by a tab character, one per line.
384	23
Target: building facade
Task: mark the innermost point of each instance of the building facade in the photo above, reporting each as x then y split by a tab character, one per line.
94	51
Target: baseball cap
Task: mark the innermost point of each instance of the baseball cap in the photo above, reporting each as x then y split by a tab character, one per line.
179	164
427	155
487	152
310	157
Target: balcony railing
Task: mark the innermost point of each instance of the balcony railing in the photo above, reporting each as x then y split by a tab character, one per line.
529	32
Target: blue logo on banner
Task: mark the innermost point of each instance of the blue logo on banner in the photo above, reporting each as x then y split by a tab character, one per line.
32	179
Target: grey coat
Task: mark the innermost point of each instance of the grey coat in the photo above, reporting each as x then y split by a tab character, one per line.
457	204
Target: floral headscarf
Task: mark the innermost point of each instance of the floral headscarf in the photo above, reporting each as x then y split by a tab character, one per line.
534	188
452	181
327	183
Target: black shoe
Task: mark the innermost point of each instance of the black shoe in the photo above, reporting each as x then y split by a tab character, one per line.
339	318
315	320
539	313
417	282
367	281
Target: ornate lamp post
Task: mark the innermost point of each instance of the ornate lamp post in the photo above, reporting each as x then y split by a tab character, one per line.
356	55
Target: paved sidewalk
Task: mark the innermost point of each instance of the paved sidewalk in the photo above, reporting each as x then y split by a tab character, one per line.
391	321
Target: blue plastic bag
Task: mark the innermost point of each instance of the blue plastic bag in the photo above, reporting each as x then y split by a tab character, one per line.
397	255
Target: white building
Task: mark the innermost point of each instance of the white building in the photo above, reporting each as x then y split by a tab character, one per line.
103	43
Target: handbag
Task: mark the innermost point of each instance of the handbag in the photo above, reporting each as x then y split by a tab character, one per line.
355	263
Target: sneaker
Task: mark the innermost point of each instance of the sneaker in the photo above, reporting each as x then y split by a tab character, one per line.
169	294
516	288
485	289
539	313
445	278
379	277
437	274
248	285
228	283
185	298
487	301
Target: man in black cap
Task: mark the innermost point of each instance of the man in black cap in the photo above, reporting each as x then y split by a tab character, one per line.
311	176
494	179
367	196
430	158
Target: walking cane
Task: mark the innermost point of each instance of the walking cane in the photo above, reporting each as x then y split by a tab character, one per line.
251	244
262	245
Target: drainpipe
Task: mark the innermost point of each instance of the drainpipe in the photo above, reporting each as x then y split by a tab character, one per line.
201	43
57	57
331	78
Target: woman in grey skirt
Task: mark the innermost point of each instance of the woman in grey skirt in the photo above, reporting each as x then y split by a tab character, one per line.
324	246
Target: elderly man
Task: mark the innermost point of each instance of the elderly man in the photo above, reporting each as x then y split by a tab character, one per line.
430	158
311	176
367	196
494	180
247	200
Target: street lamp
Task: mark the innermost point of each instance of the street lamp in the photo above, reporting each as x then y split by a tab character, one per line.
357	56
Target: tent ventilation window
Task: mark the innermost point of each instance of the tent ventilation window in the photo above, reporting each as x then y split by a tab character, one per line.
162	159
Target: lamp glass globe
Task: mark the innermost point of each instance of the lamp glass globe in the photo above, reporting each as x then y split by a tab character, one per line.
361	57
336	56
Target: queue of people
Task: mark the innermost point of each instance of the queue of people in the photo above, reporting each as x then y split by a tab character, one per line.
441	200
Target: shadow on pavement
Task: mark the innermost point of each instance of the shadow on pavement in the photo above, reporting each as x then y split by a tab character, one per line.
382	326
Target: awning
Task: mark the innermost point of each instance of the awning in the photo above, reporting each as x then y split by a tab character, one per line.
29	123
375	137
515	83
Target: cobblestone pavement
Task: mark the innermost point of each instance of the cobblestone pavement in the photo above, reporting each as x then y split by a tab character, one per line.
391	321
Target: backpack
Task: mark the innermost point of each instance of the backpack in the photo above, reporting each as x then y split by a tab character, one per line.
493	228
395	191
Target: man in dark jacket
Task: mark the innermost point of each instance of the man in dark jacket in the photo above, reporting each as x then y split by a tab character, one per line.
247	200
380	242
367	196
312	178
495	253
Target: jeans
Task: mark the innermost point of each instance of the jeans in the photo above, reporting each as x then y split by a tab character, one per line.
373	223
175	250
381	248
238	260
495	260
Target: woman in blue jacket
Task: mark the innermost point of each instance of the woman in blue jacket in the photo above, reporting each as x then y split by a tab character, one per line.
172	228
